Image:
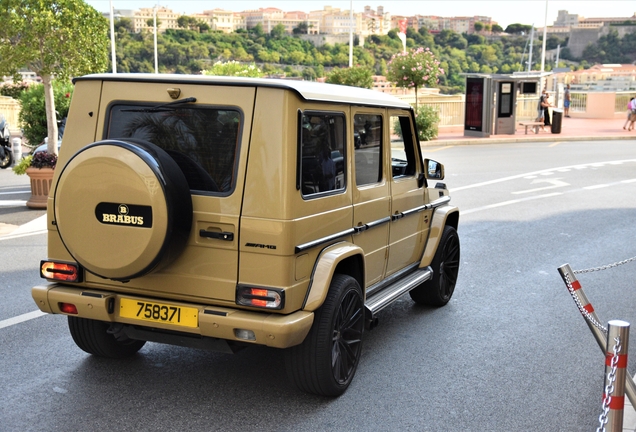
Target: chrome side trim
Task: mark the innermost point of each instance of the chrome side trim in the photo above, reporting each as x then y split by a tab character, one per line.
312	244
437	203
355	230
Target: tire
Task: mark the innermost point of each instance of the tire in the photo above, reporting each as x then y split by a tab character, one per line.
326	361
7	160
123	208
92	337
438	290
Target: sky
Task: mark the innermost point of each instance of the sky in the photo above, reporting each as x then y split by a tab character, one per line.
504	12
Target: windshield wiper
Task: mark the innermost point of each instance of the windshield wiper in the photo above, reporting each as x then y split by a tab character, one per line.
162	107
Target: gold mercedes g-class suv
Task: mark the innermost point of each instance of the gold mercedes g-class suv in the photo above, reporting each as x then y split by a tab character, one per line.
221	212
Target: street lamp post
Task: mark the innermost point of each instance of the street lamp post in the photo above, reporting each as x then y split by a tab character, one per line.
155	25
351	33
112	38
545	32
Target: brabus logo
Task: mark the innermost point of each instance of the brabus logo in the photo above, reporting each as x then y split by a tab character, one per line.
124	214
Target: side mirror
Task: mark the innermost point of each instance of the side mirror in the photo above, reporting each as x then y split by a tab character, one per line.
434	170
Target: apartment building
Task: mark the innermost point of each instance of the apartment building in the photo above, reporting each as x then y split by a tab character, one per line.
436	24
166	19
222	20
271	17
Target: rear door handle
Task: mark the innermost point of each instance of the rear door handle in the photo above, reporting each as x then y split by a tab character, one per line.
227	236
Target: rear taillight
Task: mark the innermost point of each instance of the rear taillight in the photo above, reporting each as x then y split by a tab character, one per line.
64	272
267	298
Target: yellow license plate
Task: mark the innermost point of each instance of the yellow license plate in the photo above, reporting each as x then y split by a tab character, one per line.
159	312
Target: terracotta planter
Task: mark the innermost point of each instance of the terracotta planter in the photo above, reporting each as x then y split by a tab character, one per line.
41	179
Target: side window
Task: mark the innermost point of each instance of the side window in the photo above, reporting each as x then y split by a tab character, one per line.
322	153
367	136
402	147
203	141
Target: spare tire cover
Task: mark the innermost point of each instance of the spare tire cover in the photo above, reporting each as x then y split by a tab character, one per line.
123	208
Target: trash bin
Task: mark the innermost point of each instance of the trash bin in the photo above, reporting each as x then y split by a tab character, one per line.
557	119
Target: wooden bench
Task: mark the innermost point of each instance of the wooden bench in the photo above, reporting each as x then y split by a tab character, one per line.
531	124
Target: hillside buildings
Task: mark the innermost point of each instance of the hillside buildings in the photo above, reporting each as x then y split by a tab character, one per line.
328	21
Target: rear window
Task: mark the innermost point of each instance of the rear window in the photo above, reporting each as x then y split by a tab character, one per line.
203	141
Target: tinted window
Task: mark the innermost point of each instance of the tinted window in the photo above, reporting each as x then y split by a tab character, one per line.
402	147
368	144
322	153
202	141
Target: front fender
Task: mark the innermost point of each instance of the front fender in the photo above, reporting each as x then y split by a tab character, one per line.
324	270
447	215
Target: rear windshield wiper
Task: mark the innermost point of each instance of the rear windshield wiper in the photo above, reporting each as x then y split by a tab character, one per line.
162	107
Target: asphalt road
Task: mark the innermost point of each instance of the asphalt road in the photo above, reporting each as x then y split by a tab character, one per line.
510	352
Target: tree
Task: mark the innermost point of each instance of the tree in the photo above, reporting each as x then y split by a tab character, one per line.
416	68
53	38
278	31
302	28
355	76
233	68
518	28
479	26
496	28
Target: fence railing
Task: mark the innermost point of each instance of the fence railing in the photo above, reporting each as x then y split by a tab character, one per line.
622	98
578	102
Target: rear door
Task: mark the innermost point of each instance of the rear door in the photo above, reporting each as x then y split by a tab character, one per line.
209	140
371	193
409	226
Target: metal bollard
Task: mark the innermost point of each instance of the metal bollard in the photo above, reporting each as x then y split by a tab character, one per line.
592	321
16	149
615	376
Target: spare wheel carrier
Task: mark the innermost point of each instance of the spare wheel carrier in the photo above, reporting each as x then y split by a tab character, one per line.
123	208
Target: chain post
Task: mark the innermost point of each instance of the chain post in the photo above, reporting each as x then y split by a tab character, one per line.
615	376
592	320
584	305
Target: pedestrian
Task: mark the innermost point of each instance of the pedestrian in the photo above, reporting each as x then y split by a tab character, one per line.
545	104
632	114
540	112
566	101
629	112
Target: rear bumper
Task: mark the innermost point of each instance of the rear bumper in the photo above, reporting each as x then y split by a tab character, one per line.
278	331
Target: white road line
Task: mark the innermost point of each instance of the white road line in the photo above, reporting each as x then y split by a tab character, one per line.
12	203
15	192
21	318
504	179
20	235
506	203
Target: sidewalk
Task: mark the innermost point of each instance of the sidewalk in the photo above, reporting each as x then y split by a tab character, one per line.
572	129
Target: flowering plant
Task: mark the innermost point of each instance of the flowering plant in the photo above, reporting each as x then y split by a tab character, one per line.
44	160
416	68
38	160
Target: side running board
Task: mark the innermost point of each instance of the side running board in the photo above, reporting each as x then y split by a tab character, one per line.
389	294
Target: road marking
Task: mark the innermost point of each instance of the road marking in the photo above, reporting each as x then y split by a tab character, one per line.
515	177
15	193
12	203
555	144
556	183
28	234
21	318
618	183
506	203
